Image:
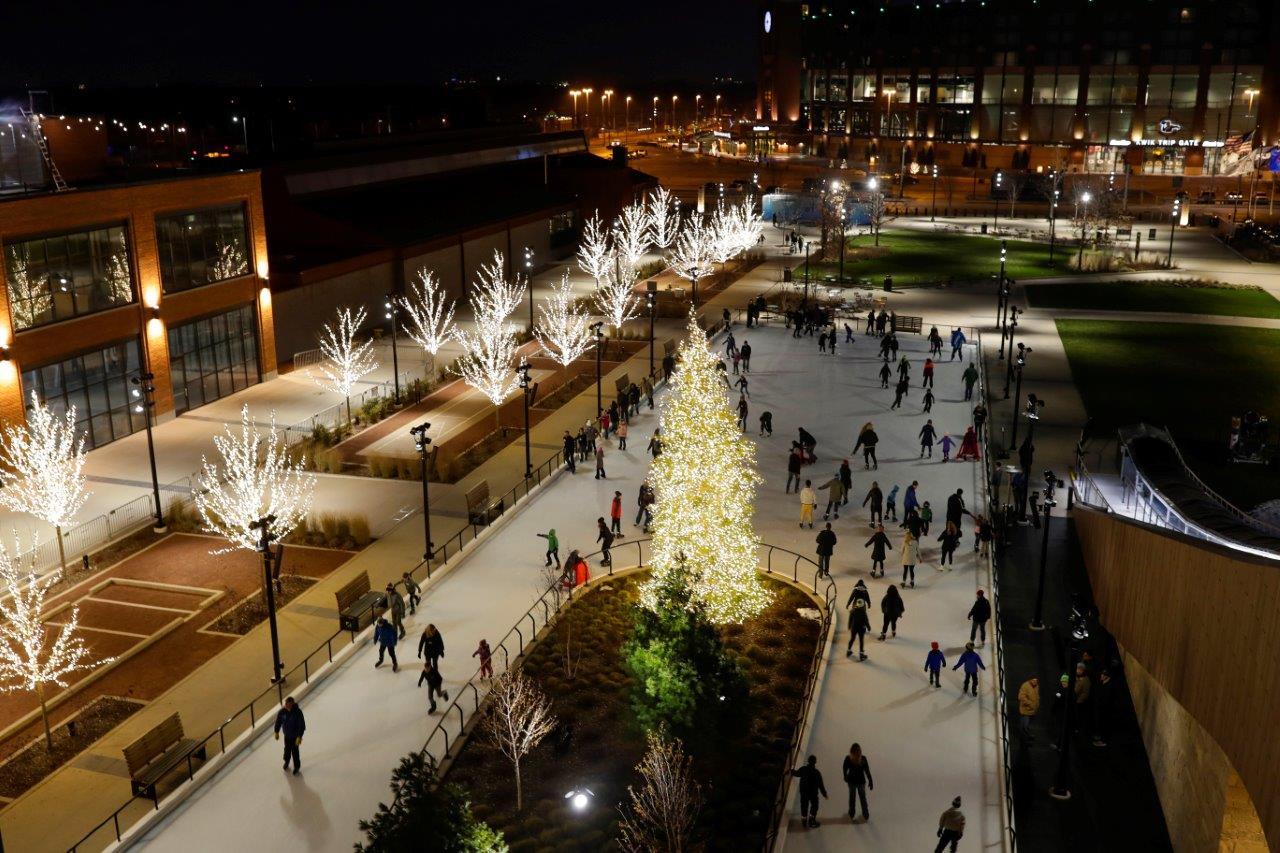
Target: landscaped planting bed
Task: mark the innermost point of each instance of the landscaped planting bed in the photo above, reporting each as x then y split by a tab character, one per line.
34	762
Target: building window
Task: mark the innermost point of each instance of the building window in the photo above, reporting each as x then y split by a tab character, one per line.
212	358
202	247
67	275
97	385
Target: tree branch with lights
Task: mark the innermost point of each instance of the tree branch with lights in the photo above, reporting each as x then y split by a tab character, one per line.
595	256
564	325
690	256
430	313
489	351
349	360
616	299
631	238
663	213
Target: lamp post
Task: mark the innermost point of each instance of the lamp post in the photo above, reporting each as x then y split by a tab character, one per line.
528	280
606	95
1079	632
265	538
842	242
1084	199
655	112
697	108
144	395
586	106
527	391
1002	300
674	98
244	131
1054	179
626	117
651	297
1027	452
389	303
1037	620
422	444
1022	350
1173	226
933	212
574	93
598	328
995	224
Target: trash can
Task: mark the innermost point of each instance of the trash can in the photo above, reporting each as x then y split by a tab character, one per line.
888	284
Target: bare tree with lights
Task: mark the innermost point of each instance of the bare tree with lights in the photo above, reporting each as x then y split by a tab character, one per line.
256	479
229	262
519	718
29	299
616	299
43	468
430	313
564	325
663	811
349	360
663	213
33	654
873	204
631	238
489	352
691	255
595	255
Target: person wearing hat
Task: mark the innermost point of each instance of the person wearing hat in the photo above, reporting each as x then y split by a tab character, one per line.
810	786
950	827
971	663
553	546
933	664
979	615
859	592
859	625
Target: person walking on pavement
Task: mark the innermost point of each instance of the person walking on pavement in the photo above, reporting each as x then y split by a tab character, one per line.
808	500
859	625
600	473
879	544
891	608
553	546
810	787
928	435
435	684
293	725
910	556
857	775
486	659
835	495
891	503
867	440
569	444
950	539
927	371
876	498
979	613
384	634
950	827
933	664
395	604
970	377
826	548
605	537
846	480
1028	706
795	461
431	645
412	590
971	663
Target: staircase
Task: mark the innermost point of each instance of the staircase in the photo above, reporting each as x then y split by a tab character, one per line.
33	121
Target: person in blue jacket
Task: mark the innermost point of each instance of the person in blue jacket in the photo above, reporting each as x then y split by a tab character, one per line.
971	663
384	634
933	664
290	721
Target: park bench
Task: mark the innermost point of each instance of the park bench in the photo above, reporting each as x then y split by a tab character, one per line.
903	323
154	755
481	509
357	603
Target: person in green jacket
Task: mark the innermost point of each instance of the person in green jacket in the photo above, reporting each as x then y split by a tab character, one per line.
970	377
553	546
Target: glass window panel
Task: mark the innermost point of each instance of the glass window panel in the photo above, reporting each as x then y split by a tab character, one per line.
991	86
204	246
1042	88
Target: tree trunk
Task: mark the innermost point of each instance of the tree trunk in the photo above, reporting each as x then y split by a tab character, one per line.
349	411
519	790
62	554
44	714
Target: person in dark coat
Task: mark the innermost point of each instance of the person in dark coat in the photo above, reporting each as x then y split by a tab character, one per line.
928	436
955	508
867	440
431	645
899	391
859	625
885	374
857	775
928	401
979	418
795	462
809	443
859	593
810	786
291	723
950	539
933	664
384	634
892	608
879	545
1104	697
846	479
826	547
570	445
668	366
605	537
971	662
979	614
875	498
435	681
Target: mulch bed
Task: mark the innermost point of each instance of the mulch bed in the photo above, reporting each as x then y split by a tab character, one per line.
739	767
24	769
566	392
477	454
251	612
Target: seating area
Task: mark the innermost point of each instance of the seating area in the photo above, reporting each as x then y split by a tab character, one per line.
158	753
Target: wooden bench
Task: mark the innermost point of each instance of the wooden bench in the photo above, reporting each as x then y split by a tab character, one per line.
903	323
481	509
154	755
357	603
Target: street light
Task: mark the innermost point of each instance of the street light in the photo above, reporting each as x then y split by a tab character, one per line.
1173	226
1079	632
1027	452
626	117
651	297
574	93
389	303
528	390
655	112
1002	297
842	242
995	198
1008	374
580	798
244	131
1050	481
145	404
606	94
697	108
674	98
586	106
265	538
528	280
1084	199
598	328
933	213
423	445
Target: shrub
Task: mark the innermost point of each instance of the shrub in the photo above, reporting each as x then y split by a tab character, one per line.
360	530
328	525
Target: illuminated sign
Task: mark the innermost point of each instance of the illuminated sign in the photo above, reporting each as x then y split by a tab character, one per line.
761	128
1168	127
1165	143
721	134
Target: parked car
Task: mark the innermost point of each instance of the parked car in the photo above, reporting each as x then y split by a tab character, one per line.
1233	197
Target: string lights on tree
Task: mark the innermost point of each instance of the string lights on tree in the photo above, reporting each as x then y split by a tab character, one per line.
43	468
616	299
29	299
564	326
229	263
430	314
631	238
705	485
691	254
595	256
663	214
349	360
489	351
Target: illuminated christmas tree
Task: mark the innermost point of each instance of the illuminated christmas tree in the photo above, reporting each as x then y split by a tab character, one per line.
705	484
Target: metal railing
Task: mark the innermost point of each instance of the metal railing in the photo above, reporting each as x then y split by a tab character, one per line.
1085	490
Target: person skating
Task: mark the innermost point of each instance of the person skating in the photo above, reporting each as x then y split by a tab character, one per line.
384	634
871	322
568	446
969	446
970	378
615	515
926	518
293	725
576	571
766	423
1028	705
859	593
605	537
655	443
412	590
891	608
668	366
911	523
911	500
857	775
600	472
553	546
946	443
826	548
983	534
746	357
795	461
623	429
867	440
644	503
910	557
741	385
979	614
927	372
899	391
950	826
971	663
737	362
835	496
809	443
879	545
957	344
648	390
979	417
431	645
885	373
859	625
955	508
395	604
950	539
808	500
893	344
876	498
933	664
928	401
928	435
891	503
935	342
810	787
742	413
435	684
486	659
904	368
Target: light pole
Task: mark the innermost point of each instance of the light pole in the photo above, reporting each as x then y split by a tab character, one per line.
651	296
1173	226
527	391
626	117
995	198
1055	178
1079	633
717	106
674	98
842	241
598	328
265	538
806	273
1021	361
145	404
607	94
933	212
244	131
389	303
586	107
574	93
1022	349
422	444
1084	199
655	112
1037	620
1027	452
697	108
1002	299
528	280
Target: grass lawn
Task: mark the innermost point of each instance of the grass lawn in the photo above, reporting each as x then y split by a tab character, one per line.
1156	296
917	256
1186	377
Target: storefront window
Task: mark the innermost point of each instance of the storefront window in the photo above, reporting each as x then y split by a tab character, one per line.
213	357
1067	89
837	88
67	275
992	82
97	384
202	247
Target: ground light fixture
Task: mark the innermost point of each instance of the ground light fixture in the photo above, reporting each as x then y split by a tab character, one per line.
580	798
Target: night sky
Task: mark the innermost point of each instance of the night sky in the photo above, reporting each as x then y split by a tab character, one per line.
284	42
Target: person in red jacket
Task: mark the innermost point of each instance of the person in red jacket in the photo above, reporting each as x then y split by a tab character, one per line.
615	514
928	374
